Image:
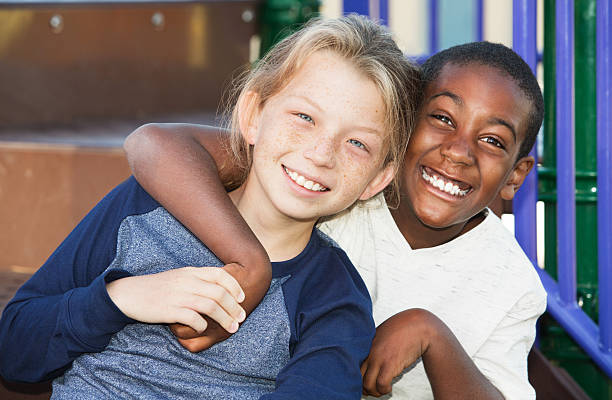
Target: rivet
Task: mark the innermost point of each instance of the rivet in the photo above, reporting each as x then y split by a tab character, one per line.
158	20
56	23
248	15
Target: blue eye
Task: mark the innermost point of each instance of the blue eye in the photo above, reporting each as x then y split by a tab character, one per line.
357	143
305	117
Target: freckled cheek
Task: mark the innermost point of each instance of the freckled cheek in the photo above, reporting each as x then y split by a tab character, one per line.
279	142
356	175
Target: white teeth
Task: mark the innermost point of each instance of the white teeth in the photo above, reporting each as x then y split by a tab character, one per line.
308	184
440	183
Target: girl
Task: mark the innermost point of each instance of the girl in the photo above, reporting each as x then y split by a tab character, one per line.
319	123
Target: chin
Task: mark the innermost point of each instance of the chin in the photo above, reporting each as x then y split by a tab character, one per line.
433	224
298	214
432	219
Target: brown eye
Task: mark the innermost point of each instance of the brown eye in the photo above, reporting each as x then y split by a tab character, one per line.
443	118
493	141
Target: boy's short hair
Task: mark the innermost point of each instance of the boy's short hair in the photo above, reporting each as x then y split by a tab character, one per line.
504	59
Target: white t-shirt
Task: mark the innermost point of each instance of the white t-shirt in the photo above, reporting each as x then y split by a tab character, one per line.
480	284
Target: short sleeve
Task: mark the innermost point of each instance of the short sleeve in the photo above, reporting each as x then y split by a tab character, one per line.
503	357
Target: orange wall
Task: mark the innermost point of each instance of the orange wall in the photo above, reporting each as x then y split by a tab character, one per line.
45	191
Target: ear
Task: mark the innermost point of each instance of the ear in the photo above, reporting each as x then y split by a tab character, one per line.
516	177
248	116
379	182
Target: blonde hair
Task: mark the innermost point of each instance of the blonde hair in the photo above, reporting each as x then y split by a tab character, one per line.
369	47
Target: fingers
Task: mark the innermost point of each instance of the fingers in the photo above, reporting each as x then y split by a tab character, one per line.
197	344
222	278
216	309
222	298
376	378
183	331
191	318
370	373
383	381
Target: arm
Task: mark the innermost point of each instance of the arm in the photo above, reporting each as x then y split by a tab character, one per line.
414	333
333	336
177	165
82	295
64	310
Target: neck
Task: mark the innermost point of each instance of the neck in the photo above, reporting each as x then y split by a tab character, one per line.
420	236
282	236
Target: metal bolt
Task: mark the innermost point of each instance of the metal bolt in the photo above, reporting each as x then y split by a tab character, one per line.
248	15
158	20
56	23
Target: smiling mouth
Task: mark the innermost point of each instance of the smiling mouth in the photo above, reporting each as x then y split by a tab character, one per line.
447	185
305	182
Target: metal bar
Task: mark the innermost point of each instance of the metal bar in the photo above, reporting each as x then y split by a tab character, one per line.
356	6
524	205
479	20
604	166
566	179
434	44
576	323
383	11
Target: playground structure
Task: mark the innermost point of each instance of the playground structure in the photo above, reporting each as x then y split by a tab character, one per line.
573	178
574	172
577	60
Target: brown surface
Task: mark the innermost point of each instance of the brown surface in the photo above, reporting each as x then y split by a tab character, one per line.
45	191
10	280
18	391
111	61
551	382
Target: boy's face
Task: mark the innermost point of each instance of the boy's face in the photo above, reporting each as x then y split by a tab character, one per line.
319	144
464	149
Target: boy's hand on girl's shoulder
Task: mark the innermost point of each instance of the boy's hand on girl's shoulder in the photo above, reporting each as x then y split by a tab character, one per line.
254	282
181	295
398	343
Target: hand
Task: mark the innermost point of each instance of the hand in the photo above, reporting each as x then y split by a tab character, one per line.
398	343
181	295
255	283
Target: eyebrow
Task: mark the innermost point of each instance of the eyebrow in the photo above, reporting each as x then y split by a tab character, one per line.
456	99
459	101
503	122
307	100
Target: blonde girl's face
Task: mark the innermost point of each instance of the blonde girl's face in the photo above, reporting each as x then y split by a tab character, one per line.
320	143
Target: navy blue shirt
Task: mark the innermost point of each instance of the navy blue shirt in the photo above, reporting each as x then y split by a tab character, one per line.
306	339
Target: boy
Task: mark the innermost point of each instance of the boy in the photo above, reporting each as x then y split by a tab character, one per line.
441	250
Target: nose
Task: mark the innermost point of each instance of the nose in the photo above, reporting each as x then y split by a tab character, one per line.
321	152
457	150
